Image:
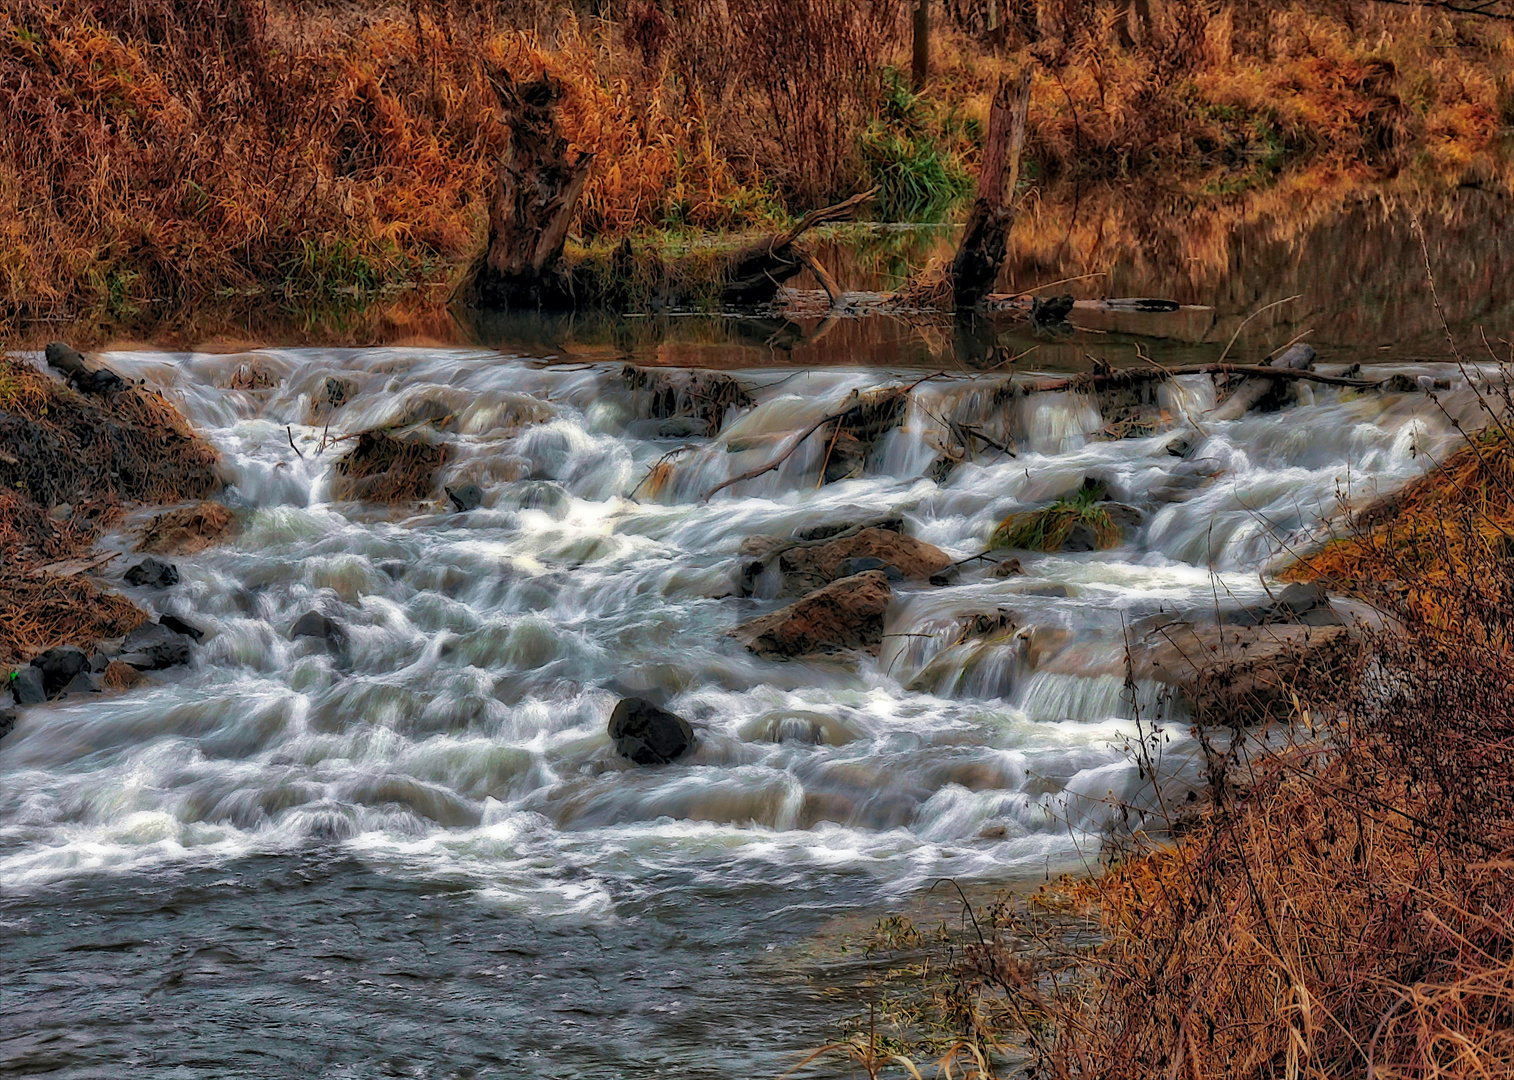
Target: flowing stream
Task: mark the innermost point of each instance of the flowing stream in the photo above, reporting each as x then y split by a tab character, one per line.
419	854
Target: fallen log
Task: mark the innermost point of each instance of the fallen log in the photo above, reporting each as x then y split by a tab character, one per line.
1251	392
754	274
1094	380
986	241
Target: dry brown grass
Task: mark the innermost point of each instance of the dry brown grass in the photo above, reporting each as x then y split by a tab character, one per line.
152	154
40	610
70	464
387	468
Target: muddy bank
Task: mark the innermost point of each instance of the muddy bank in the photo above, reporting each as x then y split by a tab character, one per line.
80	447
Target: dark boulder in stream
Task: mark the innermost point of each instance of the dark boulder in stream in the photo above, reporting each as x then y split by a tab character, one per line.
314	624
465	497
58	667
26	686
845	615
155	646
647	734
7	722
153	573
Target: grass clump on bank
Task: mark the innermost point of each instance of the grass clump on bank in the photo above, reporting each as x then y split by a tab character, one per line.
70	465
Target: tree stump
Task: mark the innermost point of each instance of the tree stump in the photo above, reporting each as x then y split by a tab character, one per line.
976	266
535	194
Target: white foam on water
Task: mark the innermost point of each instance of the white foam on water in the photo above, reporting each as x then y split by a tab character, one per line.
460	732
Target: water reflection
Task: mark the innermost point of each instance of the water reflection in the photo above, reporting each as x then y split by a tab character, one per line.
1352	261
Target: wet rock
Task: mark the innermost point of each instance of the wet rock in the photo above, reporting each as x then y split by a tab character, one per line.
1008	568
1180	447
153	574
82	683
186	530
65	358
1306	604
7	722
26	686
1229	674
805	567
153	647
58	667
82	374
100	381
314	624
179	626
647	734
825	532
335	392
844	615
465	497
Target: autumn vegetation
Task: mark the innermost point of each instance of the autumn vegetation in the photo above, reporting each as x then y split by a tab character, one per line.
1340	904
194	152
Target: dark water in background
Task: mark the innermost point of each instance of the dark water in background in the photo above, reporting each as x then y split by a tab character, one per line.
428	863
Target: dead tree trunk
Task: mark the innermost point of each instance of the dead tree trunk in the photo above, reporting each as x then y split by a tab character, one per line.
920	67
976	267
535	194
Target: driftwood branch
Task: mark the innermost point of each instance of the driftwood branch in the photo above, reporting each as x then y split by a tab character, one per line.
1135	376
779	460
823	276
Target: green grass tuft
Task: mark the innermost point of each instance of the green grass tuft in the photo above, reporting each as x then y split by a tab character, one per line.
1048	529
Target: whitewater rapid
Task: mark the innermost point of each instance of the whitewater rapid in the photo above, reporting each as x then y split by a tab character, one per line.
460	735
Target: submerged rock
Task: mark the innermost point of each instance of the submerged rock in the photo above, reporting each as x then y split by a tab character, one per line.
844	615
647	734
314	624
465	497
153	573
58	667
807	564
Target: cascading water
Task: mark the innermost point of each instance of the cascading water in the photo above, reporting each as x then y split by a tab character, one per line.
458	735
